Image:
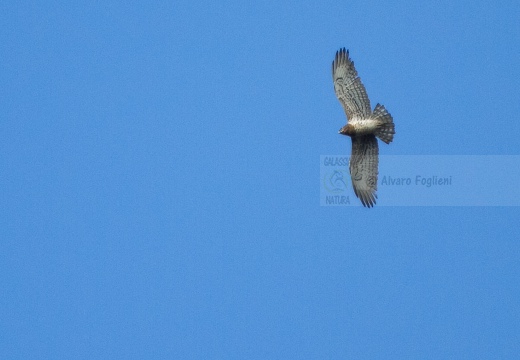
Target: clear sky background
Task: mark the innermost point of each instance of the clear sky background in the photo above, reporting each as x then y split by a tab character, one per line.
159	184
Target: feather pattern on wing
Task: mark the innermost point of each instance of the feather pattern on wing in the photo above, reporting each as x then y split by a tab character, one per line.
363	168
348	87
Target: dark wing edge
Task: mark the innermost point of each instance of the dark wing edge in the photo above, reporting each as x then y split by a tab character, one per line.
363	166
348	87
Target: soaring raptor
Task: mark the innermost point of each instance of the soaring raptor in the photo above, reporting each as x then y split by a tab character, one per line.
363	126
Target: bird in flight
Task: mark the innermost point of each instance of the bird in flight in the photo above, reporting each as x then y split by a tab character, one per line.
363	127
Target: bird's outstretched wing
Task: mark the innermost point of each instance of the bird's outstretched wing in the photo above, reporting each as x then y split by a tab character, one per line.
348	87
363	168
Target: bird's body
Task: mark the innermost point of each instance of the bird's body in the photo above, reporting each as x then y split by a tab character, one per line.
356	127
363	126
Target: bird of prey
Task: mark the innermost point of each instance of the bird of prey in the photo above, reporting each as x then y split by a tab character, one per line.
363	127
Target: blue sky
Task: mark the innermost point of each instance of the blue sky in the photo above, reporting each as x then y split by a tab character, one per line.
160	183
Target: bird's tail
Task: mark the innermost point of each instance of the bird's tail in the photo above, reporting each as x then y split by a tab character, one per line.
386	129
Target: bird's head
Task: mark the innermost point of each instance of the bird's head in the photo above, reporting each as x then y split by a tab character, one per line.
347	130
